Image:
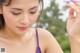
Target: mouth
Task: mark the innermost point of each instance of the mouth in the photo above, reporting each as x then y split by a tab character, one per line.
23	28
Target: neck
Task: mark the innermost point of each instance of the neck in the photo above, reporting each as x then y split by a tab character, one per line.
10	35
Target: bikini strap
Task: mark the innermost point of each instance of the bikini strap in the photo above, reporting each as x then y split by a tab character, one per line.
38	50
37	37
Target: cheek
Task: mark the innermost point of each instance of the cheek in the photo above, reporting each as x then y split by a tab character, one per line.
9	19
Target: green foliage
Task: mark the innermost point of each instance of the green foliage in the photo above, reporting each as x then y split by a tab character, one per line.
50	21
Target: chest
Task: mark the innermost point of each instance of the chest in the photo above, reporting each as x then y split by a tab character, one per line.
29	47
18	49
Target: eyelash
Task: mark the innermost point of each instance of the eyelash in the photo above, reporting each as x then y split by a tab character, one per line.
20	13
32	12
15	13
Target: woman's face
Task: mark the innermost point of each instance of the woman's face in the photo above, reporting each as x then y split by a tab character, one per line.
20	15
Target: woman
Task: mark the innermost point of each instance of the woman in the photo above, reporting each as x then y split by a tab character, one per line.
16	34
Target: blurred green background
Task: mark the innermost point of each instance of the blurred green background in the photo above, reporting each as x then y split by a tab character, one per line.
50	20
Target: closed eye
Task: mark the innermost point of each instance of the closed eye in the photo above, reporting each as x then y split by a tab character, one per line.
33	12
16	13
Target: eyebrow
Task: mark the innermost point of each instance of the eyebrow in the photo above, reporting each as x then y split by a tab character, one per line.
21	9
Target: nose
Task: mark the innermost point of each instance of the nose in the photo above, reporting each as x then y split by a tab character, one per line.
25	20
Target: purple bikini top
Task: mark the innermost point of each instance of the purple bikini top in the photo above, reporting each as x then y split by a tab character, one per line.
38	50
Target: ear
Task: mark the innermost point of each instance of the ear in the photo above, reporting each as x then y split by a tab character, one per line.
0	10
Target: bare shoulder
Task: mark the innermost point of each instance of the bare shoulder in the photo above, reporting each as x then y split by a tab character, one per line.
49	40
43	31
45	34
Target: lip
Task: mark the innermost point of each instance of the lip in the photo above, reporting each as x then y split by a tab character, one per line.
22	28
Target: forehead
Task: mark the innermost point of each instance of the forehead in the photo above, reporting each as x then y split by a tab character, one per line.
24	3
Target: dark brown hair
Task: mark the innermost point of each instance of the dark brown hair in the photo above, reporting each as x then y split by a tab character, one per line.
7	2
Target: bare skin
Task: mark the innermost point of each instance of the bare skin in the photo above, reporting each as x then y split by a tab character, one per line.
20	46
48	44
